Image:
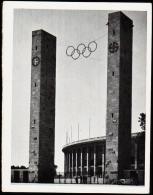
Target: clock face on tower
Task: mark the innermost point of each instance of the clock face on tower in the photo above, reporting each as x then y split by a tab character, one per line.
113	47
35	61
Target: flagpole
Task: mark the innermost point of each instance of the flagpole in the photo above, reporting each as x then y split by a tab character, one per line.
71	133
78	131
89	128
66	137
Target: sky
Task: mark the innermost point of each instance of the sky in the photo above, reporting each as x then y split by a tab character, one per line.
81	84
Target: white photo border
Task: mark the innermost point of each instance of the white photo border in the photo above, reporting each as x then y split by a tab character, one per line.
7	56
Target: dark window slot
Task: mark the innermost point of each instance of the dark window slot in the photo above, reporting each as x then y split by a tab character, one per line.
113	32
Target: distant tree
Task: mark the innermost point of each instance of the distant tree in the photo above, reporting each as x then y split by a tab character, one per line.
142	121
22	167
17	167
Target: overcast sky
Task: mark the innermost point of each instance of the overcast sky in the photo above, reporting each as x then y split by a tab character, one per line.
81	84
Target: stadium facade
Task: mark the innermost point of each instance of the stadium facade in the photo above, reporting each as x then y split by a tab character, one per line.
88	158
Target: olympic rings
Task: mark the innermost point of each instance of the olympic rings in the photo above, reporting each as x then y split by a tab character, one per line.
92	46
75	54
86	52
81	49
70	50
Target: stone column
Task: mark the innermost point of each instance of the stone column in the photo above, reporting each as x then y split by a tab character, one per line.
136	156
76	163
72	163
103	164
81	161
69	165
64	163
87	161
94	160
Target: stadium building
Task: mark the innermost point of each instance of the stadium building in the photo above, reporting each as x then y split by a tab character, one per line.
86	158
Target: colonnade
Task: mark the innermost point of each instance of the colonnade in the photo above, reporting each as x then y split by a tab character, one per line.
85	161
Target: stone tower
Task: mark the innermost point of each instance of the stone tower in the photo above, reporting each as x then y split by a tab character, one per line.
42	113
119	96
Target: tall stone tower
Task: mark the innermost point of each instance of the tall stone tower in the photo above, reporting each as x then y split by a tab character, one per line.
119	96
42	113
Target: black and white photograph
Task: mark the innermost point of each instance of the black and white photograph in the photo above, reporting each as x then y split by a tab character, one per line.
76	97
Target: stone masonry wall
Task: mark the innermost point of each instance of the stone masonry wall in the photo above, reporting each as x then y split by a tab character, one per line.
118	124
42	119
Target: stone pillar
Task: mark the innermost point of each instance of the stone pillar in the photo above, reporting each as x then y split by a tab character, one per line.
119	96
135	156
76	164
64	163
87	161
72	163
69	165
103	164
94	160
42	108
81	161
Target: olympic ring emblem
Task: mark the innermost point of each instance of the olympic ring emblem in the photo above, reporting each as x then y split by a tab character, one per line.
70	50
81	49
92	46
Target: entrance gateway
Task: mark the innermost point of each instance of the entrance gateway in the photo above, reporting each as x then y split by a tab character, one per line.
119	101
